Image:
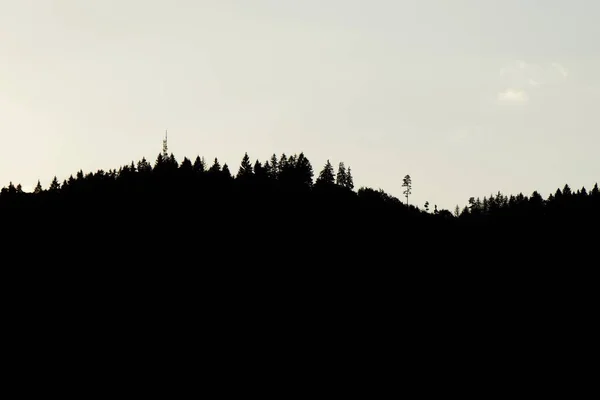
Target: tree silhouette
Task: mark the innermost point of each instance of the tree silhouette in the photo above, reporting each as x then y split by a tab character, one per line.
407	183
326	176
215	169
341	177
273	169
226	172
54	185
245	171
116	210
38	188
304	170
349	179
199	165
186	165
143	167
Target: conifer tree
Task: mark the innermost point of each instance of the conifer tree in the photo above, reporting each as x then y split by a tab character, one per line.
274	167
341	177
215	168
349	179
38	188
226	172
245	170
304	170
186	165
199	165
54	185
260	171
326	176
407	183
173	164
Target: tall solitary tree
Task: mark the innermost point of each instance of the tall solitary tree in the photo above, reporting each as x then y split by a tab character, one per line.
407	183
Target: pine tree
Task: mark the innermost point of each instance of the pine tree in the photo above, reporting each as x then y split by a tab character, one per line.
38	188
282	165
199	165
11	188
245	170
407	183
160	161
426	206
304	171
536	199
186	165
326	176
226	172
349	179
274	167
173	162
260	171
287	166
268	171
341	177
54	185
215	168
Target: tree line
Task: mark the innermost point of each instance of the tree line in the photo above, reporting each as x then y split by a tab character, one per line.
290	178
175	228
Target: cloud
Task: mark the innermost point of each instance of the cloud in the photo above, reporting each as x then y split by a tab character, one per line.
521	74
521	64
513	96
562	70
518	73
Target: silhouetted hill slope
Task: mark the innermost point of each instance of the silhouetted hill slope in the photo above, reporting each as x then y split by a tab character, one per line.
276	261
276	216
277	203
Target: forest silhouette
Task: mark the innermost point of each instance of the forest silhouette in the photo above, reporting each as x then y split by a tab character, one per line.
194	245
169	212
278	198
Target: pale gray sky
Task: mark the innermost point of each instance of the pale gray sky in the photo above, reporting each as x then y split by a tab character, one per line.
467	96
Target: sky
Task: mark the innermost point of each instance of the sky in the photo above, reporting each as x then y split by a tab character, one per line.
468	97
